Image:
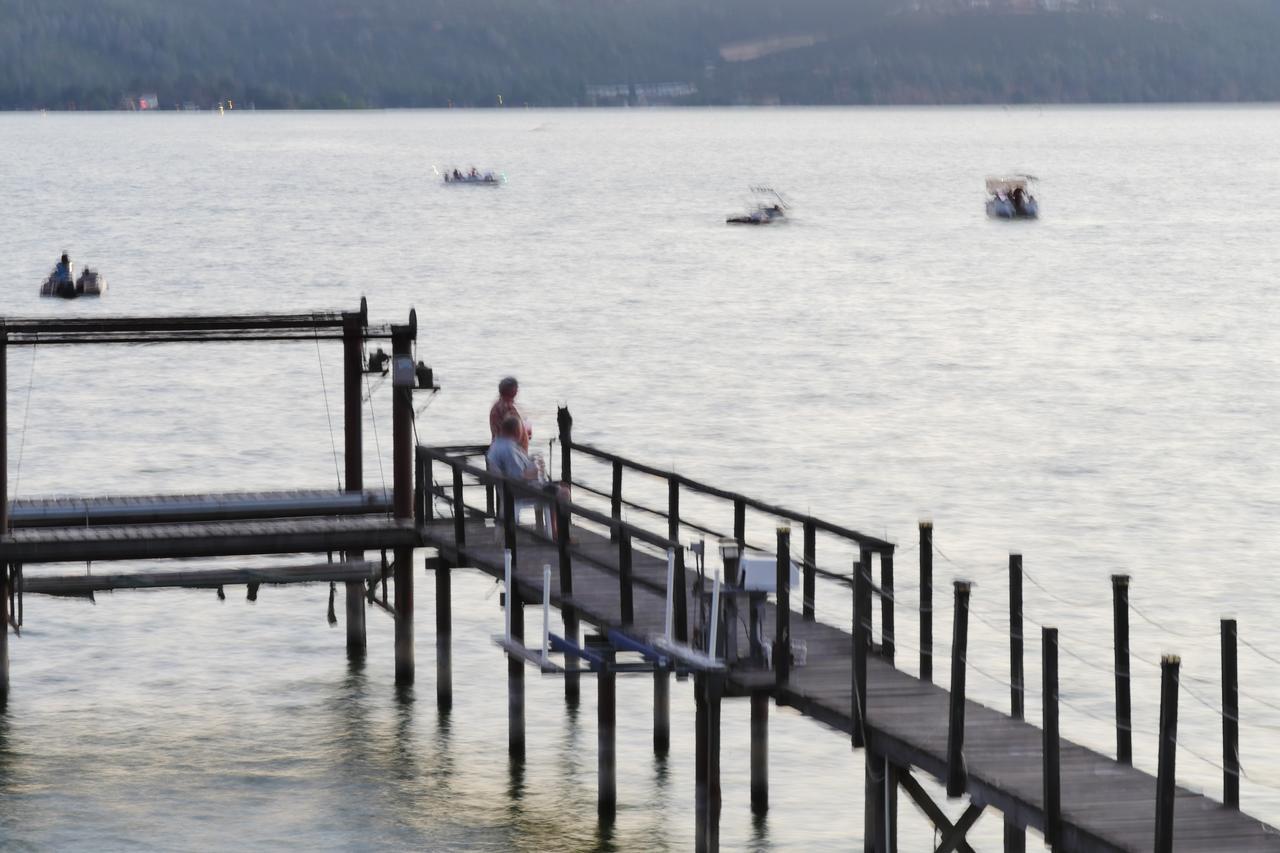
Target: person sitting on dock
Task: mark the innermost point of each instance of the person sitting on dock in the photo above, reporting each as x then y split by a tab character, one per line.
506	457
505	407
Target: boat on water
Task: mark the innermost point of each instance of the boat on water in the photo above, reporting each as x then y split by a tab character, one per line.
769	208
1010	198
473	177
90	283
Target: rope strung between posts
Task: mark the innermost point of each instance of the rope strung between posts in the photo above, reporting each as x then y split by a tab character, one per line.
333	442
26	414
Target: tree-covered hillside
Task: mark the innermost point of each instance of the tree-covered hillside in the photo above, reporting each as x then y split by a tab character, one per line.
409	53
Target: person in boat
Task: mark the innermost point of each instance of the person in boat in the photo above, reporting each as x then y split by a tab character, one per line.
474	173
1019	201
505	407
62	271
457	176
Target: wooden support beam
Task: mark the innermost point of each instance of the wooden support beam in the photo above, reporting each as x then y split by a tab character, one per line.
515	676
700	747
5	580
661	712
569	614
926	804
80	585
1230	717
957	774
353	451
607	738
887	637
1015	837
861	647
952	838
1051	742
782	615
810	570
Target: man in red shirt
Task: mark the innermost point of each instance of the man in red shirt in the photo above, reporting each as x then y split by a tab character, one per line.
505	407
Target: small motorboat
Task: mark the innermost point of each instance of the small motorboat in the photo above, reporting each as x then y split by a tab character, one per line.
90	283
1011	198
472	178
769	208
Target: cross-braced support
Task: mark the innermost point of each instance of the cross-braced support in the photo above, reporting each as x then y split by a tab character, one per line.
953	834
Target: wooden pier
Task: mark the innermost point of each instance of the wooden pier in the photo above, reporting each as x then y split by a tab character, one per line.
655	605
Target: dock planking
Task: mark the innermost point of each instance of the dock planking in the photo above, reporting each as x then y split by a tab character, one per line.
1106	806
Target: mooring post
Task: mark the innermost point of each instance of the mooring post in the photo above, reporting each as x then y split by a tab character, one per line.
1120	623
353	448
957	774
607	737
1015	837
886	605
1168	752
625	592
926	601
615	501
567	609
861	646
782	616
760	751
1051	743
809	605
402	383
1230	717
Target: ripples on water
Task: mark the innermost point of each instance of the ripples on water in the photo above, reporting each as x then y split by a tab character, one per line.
1097	390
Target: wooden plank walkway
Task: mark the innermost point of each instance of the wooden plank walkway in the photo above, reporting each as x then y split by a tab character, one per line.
1106	806
213	539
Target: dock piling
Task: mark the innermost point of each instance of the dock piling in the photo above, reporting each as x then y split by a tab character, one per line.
572	679
5	581
1230	717
402	382
861	646
760	751
353	447
886	606
444	631
1168	753
661	712
606	737
615	500
1052	764
1120	631
700	761
626	592
926	601
459	511
515	678
957	775
809	611
782	641
1015	837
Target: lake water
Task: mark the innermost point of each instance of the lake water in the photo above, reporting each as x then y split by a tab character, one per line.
1098	390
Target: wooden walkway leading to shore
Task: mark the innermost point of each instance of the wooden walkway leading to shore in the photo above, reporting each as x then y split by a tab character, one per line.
1106	805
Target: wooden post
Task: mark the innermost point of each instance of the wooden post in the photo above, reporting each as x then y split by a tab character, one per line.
809	605
607	737
444	632
880	804
1015	837
760	752
459	509
353	450
424	504
402	381
680	600
715	690
673	509
1168	753
1017	689
5	581
1230	717
782	615
625	591
700	761
861	646
567	609
515	676
886	605
615	500
509	520
740	523
661	712
926	601
1052	763
564	421
957	774
1120	622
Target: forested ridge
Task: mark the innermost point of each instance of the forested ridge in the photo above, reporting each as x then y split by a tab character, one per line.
91	54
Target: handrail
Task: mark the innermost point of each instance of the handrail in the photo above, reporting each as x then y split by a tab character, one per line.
524	489
872	542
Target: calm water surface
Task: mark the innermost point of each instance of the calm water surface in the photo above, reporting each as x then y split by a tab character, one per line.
1097	390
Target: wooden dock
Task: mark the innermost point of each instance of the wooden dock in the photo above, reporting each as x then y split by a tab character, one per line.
656	606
